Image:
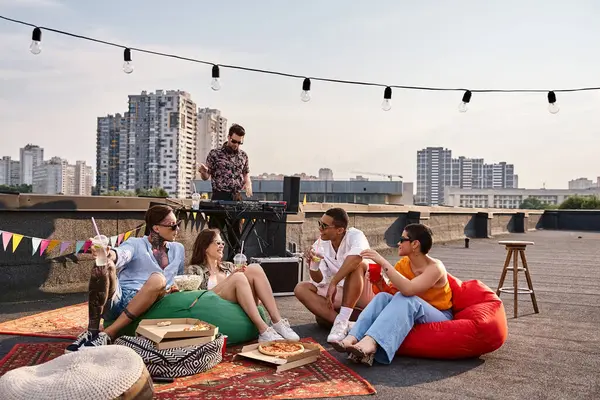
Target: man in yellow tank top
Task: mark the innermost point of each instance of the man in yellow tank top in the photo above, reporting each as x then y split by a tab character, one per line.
418	293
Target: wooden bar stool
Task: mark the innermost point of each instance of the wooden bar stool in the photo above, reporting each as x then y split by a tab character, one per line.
514	249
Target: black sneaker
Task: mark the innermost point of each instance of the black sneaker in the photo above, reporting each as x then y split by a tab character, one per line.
101	339
81	339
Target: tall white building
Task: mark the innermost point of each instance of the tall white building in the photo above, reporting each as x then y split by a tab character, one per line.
57	176
83	178
581	183
161	151
212	132
436	169
10	171
30	157
325	174
111	153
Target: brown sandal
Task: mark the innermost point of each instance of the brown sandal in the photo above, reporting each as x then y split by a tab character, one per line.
359	354
339	346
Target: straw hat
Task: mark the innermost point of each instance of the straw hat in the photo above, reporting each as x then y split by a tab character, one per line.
104	372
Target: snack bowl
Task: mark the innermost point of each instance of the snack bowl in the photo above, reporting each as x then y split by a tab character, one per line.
188	282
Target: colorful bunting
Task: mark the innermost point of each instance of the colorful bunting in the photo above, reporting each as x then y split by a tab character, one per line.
63	247
127	234
35	243
194	214
44	246
113	240
6	238
120	239
79	245
86	246
53	244
16	240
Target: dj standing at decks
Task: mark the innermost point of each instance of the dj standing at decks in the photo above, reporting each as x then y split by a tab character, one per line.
227	168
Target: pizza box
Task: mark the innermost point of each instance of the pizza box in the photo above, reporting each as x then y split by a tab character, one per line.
149	328
311	354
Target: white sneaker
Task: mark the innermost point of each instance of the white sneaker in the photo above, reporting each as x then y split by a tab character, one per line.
283	328
269	335
338	332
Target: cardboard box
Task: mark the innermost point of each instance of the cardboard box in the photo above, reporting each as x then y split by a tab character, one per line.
311	353
174	335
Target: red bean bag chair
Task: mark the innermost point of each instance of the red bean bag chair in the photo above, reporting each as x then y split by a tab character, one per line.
479	326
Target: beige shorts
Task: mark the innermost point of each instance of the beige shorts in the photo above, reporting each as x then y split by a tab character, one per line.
366	296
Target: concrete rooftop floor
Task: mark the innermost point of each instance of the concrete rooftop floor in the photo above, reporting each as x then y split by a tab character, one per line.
551	355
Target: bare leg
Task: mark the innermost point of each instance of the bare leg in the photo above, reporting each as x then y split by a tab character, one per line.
353	286
262	289
236	288
306	292
101	288
152	290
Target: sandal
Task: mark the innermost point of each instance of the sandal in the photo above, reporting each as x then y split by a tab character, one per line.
339	346
359	354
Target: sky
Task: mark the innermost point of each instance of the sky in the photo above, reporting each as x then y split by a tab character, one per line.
53	99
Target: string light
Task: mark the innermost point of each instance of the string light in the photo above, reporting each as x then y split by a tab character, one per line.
463	106
36	38
127	65
305	94
386	105
552	106
35	48
215	83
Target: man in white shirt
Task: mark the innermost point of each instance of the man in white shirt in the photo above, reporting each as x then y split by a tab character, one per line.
337	273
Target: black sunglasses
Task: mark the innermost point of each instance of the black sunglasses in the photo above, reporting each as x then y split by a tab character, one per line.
404	239
323	225
172	226
237	141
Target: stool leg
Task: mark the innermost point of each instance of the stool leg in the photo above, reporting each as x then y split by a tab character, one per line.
515	279
529	282
504	271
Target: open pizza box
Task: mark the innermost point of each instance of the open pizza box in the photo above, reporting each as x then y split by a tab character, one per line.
175	335
311	353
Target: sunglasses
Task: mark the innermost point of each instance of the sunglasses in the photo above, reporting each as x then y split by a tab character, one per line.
404	239
237	141
323	226
219	243
172	226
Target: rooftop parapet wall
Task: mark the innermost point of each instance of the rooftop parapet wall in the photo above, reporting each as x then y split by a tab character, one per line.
68	218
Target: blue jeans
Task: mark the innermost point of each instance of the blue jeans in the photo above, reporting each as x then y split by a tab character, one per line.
118	303
389	318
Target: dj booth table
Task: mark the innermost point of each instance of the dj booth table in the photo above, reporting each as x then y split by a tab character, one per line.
262	232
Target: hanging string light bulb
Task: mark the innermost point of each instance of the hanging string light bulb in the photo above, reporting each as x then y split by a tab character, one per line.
215	83
463	106
127	64
305	94
36	38
386	105
552	106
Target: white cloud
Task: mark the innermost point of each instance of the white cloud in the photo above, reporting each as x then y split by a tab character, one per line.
31	3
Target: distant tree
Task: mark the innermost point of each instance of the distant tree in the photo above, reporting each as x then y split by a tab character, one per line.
122	193
154	192
17	188
532	203
577	202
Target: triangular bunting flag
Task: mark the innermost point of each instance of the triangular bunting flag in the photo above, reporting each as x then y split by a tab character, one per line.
120	239
86	246
79	245
63	247
194	214
35	243
113	241
304	201
127	234
16	240
6	238
53	244
44	246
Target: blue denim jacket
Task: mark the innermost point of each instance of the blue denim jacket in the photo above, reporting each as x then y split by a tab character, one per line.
135	262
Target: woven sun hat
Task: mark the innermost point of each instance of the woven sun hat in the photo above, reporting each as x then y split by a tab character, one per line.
105	372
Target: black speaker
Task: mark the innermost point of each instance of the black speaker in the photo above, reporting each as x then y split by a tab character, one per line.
291	193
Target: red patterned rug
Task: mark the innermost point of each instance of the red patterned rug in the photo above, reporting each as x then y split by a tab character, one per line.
65	322
239	379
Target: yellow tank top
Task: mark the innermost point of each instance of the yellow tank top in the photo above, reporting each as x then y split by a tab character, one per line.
439	297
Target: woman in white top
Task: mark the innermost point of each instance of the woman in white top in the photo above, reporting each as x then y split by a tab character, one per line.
244	286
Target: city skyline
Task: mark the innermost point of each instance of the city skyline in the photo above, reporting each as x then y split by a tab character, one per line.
54	98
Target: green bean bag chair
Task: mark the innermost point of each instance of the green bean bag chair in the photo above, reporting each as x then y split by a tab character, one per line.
229	317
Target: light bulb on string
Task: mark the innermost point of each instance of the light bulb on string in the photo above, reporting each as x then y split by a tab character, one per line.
552	106
305	94
463	106
127	64
36	39
386	105
215	83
